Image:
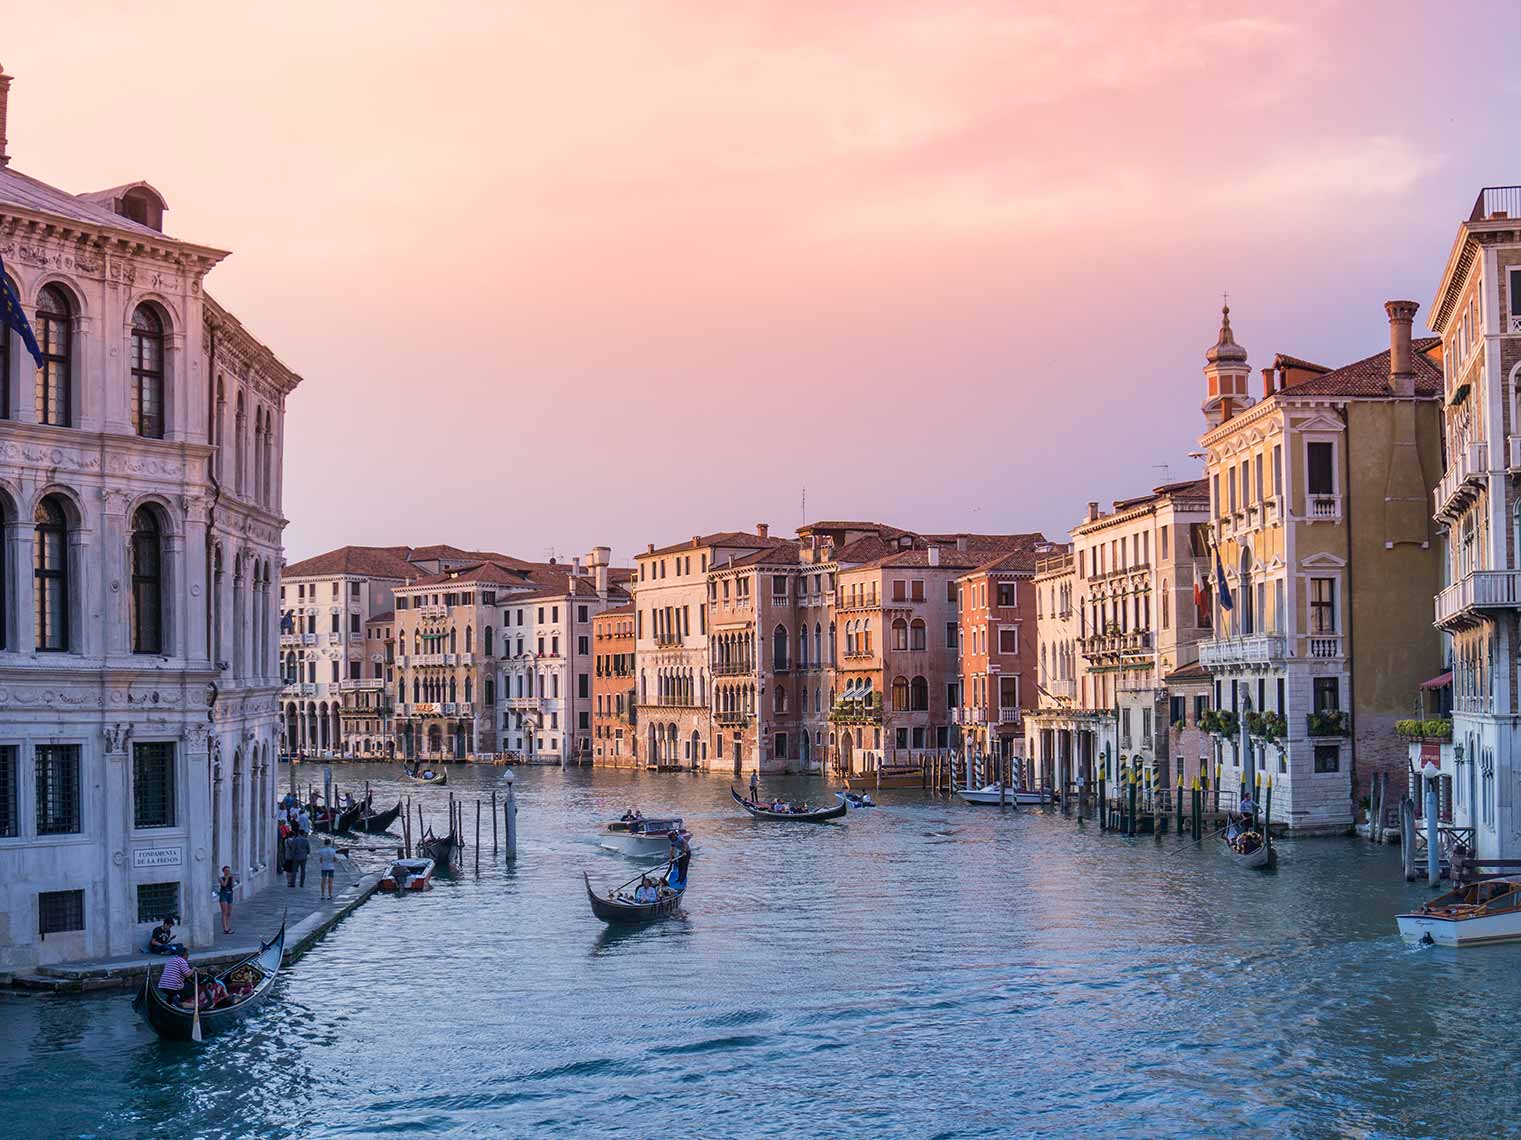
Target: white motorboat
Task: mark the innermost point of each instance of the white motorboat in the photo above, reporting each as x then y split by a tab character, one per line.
1475	915
993	794
644	838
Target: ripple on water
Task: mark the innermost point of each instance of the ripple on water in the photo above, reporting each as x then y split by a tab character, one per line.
922	969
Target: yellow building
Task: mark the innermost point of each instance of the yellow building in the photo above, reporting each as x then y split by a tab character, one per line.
1324	558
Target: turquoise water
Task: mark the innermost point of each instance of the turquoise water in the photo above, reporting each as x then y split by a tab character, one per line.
923	969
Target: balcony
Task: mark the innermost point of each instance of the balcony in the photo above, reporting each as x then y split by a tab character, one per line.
450	659
290	639
1324	647
733	717
432	613
1257	649
1459	605
667	640
1465	474
1324	508
1008	716
732	668
361	684
1496	202
522	702
1061	690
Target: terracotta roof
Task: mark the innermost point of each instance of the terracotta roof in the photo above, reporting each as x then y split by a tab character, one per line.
585	588
740	538
617	611
389	615
780	552
1370	376
1193	672
370	561
483	573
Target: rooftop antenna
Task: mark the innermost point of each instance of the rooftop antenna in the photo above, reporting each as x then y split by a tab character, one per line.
805	504
1165	470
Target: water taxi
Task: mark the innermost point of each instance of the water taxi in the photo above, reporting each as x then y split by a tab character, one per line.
1475	915
644	838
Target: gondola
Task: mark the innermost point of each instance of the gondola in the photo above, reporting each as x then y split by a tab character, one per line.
322	821
818	815
856	800
374	824
444	850
1258	857
436	776
176	1024
611	908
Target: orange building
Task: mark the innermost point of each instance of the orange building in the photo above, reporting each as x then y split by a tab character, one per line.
615	744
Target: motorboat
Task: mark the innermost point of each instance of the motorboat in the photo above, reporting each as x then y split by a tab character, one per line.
994	794
1473	915
644	838
856	799
407	875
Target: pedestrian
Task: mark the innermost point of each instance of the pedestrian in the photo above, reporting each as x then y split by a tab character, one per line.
300	849
224	897
327	863
304	821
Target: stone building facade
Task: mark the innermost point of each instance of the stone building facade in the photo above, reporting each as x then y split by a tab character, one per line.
140	507
997	641
1477	315
615	741
1324	546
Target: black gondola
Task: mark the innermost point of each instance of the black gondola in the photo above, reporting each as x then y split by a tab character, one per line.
818	815
444	850
322	817
611	908
374	824
177	1024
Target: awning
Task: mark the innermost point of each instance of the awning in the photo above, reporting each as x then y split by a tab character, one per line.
1440	681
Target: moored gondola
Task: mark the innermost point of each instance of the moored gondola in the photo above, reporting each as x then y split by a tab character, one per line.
177	1023
444	850
323	817
817	815
377	822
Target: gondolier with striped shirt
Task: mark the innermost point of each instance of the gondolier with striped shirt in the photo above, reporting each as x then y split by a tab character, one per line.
171	983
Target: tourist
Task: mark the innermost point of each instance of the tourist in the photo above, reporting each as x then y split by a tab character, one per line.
171	982
327	863
646	892
224	898
299	848
303	821
161	941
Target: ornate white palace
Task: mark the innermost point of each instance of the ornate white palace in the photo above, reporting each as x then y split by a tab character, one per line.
140	489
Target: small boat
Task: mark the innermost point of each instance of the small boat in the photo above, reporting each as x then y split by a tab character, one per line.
615	907
1475	915
644	838
407	875
373	823
325	819
1248	850
248	983
444	850
856	799
816	815
993	794
439	776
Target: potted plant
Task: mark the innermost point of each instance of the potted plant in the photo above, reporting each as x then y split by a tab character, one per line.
1436	730
1331	722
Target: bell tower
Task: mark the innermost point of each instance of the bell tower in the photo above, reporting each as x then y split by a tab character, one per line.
1225	376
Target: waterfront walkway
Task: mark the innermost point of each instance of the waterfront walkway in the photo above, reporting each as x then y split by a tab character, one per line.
307	917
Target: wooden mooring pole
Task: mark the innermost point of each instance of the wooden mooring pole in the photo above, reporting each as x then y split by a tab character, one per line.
478	835
493	823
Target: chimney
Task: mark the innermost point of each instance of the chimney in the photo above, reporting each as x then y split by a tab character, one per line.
5	96
696	541
575	566
651	549
961	543
763	530
1267	383
934	556
1093	512
1401	367
602	580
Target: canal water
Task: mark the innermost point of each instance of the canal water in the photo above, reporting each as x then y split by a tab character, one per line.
922	969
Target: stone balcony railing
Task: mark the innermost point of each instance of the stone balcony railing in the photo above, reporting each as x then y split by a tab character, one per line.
1323	508
1256	649
1064	690
1459	603
1466	470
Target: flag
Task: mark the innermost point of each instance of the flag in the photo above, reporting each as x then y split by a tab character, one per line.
1198	591
12	316
1223	588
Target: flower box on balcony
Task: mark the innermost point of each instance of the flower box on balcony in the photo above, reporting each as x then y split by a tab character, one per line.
1332	723
1222	722
1438	730
1266	726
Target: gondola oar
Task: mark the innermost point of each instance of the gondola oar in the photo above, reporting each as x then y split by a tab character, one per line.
1199	841
195	1021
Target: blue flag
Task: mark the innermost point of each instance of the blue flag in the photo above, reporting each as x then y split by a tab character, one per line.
1224	591
12	316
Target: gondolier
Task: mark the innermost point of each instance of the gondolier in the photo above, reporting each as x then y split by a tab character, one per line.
754	787
178	971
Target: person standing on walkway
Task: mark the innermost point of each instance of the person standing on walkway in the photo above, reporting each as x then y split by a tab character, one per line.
303	821
299	848
327	863
224	898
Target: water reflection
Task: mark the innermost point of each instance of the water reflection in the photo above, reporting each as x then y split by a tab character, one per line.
921	968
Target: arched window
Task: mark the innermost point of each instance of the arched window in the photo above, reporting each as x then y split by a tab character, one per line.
916	639
489	637
148	373
453	689
900	634
147	583
1166	606
802	647
779	698
850	638
488	692
453	639
469	688
900	694
51	575
919	695
469	637
1244	593
779	648
863	641
818	644
55	318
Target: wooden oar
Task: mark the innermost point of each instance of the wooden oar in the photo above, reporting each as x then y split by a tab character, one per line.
195	1021
1199	841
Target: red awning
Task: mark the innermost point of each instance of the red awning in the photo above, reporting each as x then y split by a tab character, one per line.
1440	681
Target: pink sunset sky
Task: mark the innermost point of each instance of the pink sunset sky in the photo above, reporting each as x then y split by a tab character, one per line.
567	274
